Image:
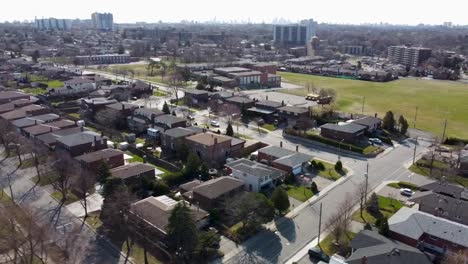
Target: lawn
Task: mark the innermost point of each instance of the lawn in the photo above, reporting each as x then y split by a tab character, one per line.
269	127
27	163
75	115
435	99
135	158
159	93
437	174
387	206
239	135
46	179
70	197
402	184
329	248
300	193
330	172
94	220
35	91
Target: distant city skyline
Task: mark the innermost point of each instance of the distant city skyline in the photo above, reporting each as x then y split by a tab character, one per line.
401	12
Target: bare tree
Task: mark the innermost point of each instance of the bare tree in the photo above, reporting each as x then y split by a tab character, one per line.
84	182
339	222
456	257
65	168
361	195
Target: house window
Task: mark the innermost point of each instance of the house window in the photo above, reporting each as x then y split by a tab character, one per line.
458	217
433	238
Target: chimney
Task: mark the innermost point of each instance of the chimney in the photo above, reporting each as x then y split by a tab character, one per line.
123	107
297	148
215	140
35	121
267	97
95	140
281	144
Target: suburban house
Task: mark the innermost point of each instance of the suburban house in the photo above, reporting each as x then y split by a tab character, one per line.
50	139
7	107
211	148
172	139
140	87
148	114
240	102
154	213
35	120
115	91
136	124
266	110
73	87
428	232
295	116
134	173
370	122
94	105
37	130
348	132
284	159
256	176
25	111
122	110
141	118
212	194
169	121
197	98
370	247
112	157
8	96
443	200
80	143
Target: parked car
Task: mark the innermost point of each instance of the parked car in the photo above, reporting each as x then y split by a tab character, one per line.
214	123
375	141
318	254
406	192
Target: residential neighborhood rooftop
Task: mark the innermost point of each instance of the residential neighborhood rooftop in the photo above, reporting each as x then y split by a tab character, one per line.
208	139
214	188
131	169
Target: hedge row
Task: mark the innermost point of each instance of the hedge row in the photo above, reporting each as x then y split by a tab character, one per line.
455	141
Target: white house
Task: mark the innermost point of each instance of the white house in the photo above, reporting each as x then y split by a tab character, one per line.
74	86
256	176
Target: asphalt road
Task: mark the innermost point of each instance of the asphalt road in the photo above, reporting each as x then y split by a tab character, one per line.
293	234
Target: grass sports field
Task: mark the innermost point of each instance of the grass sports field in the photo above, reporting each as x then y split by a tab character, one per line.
436	100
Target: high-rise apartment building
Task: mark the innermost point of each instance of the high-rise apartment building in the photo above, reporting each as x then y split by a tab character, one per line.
294	34
103	21
52	24
408	56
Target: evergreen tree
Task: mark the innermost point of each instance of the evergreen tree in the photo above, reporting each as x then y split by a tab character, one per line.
314	188
382	225
204	172
200	86
182	233
389	121
280	199
373	205
103	172
174	113
339	166
229	130
166	109
403	124
192	166
35	56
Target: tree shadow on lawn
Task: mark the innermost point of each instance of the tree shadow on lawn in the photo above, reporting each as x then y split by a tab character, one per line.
286	228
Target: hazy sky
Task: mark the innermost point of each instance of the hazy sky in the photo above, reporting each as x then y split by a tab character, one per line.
333	11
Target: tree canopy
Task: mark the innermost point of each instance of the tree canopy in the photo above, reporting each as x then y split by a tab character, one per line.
280	199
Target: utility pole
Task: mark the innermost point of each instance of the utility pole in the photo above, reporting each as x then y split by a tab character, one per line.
414	152
415	116
320	225
367	181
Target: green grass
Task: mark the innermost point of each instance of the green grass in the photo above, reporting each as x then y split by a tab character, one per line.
388	207
235	227
35	91
45	179
329	248
139	140
135	158
137	253
369	149
94	220
239	135
269	127
76	115
300	193
403	184
159	93
330	172
70	197
54	84
435	99
437	174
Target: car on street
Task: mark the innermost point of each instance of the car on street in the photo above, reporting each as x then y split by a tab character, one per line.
318	254
375	141
406	192
214	123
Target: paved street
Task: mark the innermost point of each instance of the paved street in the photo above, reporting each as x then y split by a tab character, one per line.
86	245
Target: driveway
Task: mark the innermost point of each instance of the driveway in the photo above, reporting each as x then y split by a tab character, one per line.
94	203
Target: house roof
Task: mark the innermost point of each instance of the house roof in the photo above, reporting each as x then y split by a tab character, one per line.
79	138
136	119
157	210
196	92
26	122
268	103
215	188
11	95
294	160
208	139
293	109
189	185
51	137
413	224
255	169
239	100
148	112
443	188
7	107
21	112
99	155
46	117
78	81
131	170
378	249
40	129
442	205
168	120
368	121
122	106
346	128
179	132
276	152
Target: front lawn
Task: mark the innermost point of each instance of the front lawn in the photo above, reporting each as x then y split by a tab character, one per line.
329	248
35	91
329	172
94	220
135	158
387	208
159	93
438	173
138	254
300	193
242	136
45	179
269	127
402	184
70	197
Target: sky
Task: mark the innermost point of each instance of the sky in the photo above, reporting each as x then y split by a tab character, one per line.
409	12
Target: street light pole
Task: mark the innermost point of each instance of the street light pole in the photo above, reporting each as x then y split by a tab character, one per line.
367	182
414	152
319	225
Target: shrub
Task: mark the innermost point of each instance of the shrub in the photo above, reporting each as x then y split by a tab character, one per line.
314	188
320	166
339	166
313	163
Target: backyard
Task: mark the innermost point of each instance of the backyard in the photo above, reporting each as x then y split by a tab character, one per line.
436	100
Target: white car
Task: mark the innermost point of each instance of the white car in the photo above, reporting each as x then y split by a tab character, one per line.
375	141
214	123
406	192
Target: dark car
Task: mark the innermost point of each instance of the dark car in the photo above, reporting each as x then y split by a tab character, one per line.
318	254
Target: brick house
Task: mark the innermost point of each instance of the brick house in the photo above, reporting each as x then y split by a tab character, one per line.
25	111
8	96
284	159
169	121
113	157
211	148
172	139
370	122
428	232
212	194
295	116
197	98
80	143
240	102
134	173
348	132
